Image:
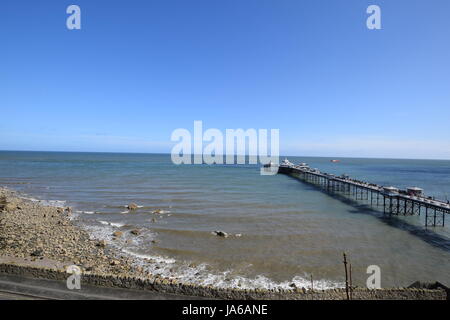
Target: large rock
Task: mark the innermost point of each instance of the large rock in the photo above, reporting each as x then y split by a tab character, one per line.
101	243
9	206
118	234
220	233
132	206
37	253
136	232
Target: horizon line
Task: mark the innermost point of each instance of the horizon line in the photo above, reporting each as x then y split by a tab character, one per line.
192	154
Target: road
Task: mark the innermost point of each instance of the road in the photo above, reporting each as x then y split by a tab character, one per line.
21	288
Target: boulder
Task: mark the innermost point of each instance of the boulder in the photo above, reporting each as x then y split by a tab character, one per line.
101	244
136	232
132	206
37	253
117	234
10	206
220	233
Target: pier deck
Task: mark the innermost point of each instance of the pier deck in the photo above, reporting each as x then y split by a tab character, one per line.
392	200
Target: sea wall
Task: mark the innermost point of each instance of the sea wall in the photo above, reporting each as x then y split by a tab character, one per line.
175	287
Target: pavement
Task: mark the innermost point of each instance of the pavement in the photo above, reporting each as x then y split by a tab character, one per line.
22	288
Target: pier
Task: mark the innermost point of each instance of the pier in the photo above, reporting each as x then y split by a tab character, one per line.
391	200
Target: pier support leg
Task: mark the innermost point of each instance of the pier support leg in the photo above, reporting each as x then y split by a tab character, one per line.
390	205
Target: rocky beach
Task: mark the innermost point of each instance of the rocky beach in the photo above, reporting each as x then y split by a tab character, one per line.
43	241
34	232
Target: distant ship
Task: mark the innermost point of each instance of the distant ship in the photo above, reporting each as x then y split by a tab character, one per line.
334	160
285	162
268	165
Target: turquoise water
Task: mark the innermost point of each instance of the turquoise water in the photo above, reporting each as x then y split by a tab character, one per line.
282	231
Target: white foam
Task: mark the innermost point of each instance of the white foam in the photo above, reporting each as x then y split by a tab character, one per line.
200	274
157	259
160	211
99	232
113	224
50	203
85	212
31	199
53	203
117	224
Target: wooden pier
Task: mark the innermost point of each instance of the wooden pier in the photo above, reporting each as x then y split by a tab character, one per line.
390	200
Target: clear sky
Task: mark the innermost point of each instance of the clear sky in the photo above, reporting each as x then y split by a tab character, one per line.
137	70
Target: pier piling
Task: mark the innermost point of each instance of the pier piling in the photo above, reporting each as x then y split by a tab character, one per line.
394	201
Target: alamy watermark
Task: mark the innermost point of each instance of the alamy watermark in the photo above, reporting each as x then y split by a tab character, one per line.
74	280
374	280
234	146
373	22
73	22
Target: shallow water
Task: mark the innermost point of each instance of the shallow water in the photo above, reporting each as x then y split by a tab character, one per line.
281	230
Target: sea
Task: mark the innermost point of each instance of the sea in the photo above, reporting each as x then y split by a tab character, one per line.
282	232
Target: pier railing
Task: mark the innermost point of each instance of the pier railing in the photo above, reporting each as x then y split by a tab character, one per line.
390	200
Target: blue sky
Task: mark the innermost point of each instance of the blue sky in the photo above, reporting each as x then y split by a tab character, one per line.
137	70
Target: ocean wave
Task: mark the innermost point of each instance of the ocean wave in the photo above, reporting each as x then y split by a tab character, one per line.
113	224
157	259
53	203
203	275
117	224
85	212
198	274
49	203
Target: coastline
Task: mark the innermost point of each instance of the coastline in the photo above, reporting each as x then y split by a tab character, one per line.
41	241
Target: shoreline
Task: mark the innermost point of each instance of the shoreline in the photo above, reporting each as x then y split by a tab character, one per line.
41	241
